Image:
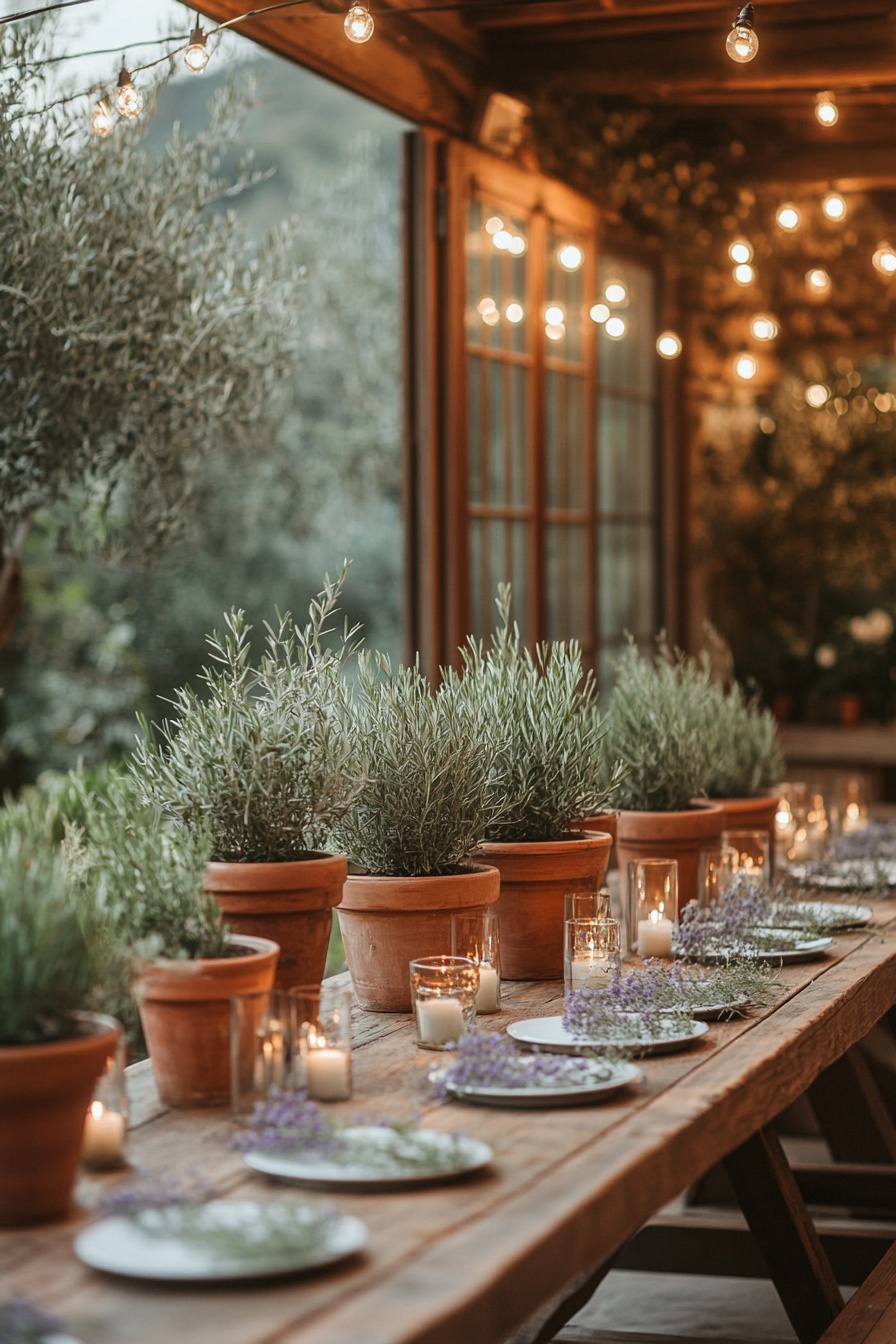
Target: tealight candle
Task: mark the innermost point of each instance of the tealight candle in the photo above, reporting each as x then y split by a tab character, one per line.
655	936
103	1143
591	972
328	1073
487	994
440	1020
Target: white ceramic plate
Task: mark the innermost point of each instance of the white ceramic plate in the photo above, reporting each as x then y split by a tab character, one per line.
436	1157
712	1012
226	1239
532	1098
792	949
549	1033
846	874
822	914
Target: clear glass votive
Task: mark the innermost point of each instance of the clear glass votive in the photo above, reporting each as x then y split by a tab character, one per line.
263	1047
750	852
587	904
106	1123
326	1043
652	906
474	935
851	803
443	996
591	953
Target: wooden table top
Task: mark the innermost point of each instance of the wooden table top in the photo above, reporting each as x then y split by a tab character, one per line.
470	1261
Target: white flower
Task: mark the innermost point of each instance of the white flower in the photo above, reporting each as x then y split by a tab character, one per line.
825	655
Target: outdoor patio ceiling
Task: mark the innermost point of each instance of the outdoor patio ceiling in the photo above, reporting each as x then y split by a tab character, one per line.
437	65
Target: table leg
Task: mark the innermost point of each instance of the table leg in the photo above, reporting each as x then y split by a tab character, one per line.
852	1113
779	1220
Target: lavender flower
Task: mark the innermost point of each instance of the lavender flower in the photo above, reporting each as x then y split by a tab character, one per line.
492	1060
24	1322
290	1122
151	1191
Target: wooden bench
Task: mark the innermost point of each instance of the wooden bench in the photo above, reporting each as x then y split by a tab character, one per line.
869	1316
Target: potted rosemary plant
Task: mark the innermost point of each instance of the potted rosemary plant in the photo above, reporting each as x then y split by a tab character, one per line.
261	762
54	952
749	762
548	753
660	727
425	802
186	963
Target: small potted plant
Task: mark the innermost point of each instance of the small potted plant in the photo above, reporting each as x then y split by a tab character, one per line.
660	727
186	964
549	770
749	762
54	953
425	802
261	762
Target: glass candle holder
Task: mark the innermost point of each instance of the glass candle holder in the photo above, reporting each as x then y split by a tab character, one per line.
443	995
586	904
851	794
475	936
751	854
263	1047
652	906
106	1122
591	953
326	1045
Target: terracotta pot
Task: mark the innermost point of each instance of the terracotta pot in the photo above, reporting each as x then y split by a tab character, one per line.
535	876
605	822
752	814
290	903
185	1012
670	835
387	922
45	1091
849	709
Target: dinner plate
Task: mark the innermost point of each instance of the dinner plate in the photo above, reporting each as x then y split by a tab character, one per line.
846	874
386	1159
225	1239
712	1012
549	1033
532	1098
821	914
792	949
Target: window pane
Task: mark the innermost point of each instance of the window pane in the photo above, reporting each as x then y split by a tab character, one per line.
567	560
627	459
627	580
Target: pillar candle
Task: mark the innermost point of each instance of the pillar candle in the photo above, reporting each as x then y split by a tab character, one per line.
439	1020
487	994
655	936
328	1074
103	1142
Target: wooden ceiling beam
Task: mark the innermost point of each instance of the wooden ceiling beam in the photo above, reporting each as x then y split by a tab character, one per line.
563	16
413	68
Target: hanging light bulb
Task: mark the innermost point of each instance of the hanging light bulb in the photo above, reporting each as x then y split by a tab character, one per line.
102	121
833	207
763	327
826	110
668	345
885	259
358	24
197	53
128	98
744	274
788	218
818	282
570	257
742	43
740	251
745	366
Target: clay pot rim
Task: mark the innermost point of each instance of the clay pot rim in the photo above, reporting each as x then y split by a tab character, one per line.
98	1025
224	875
477	884
260	948
575	840
699	805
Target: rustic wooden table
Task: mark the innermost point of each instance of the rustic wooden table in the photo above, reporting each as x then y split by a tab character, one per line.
473	1260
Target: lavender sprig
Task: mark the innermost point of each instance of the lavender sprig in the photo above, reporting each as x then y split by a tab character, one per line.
151	1191
24	1322
624	1012
876	841
738	924
491	1060
226	1231
291	1124
676	991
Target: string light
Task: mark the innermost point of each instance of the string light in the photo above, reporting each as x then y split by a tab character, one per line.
555	331
668	345
817	395
102	122
742	42
514	312
128	98
615	292
554	316
833	207
788	218
570	257
740	251
599	313
745	366
744	274
884	259
818	282
197	53
615	328
358	24
763	327
826	110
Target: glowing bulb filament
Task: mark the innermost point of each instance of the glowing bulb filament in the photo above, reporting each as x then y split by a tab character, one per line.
196	54
668	345
742	43
826	109
102	121
128	98
359	24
